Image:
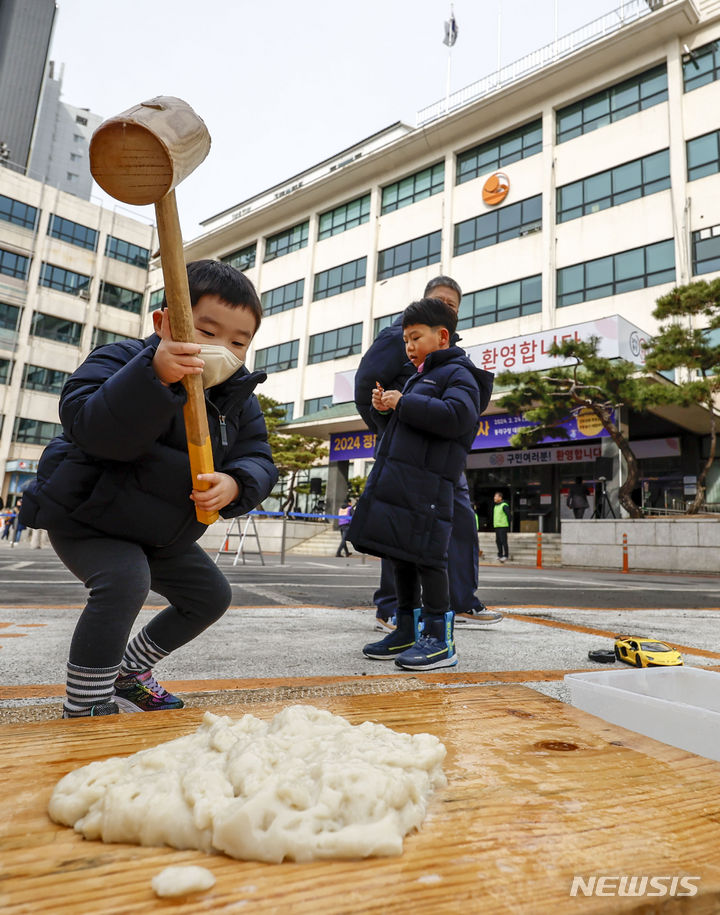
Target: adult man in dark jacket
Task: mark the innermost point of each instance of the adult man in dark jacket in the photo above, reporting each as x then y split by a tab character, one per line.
386	362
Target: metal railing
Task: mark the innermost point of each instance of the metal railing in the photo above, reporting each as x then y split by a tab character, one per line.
556	50
708	508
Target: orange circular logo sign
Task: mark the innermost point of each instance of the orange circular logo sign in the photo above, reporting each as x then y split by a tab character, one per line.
496	188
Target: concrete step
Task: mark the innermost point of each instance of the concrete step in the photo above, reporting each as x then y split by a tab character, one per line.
324	543
523	547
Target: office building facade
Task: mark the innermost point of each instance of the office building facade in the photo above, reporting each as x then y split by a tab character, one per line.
72	276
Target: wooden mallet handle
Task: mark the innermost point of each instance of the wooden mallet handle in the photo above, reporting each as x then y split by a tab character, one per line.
139	157
177	295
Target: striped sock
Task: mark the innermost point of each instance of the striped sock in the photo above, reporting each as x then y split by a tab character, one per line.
141	654
86	687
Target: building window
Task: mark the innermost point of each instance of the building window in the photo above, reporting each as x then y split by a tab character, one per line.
277	358
517	144
702	66
637	268
340	279
283	298
243	259
102	337
386	320
706	250
156	299
75	157
316	404
127	252
21	214
499	303
498	225
71	176
63	280
79	119
9	316
638	178
5	367
620	101
410	255
334	344
703	155
14	264
289	409
58	329
413	188
35	431
72	232
286	241
119	297
38	378
344	217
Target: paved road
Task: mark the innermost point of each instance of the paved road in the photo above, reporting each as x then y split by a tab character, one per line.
311	617
37	578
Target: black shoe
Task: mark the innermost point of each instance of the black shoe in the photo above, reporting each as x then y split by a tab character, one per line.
397	641
105	708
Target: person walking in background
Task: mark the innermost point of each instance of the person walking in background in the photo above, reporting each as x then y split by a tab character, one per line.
577	498
405	513
18	526
8	517
386	363
501	523
346	513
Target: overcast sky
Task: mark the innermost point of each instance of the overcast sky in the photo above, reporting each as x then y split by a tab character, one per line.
283	84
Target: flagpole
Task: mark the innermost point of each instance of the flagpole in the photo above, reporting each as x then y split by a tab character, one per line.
447	80
450	39
499	36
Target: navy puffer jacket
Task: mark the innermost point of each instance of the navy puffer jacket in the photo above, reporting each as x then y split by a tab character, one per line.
406	509
121	465
385	361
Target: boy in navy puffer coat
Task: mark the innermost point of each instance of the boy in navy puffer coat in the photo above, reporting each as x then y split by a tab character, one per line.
405	512
115	495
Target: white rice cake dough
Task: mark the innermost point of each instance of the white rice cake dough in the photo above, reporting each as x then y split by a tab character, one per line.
306	784
178	881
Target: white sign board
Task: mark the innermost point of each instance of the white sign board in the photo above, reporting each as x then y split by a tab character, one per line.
618	339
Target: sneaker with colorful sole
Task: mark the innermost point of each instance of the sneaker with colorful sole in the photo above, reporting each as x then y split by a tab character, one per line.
142	693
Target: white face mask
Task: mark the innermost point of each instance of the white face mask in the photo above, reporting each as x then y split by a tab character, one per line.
220	364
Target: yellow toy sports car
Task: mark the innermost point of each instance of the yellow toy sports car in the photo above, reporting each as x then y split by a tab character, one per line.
646	652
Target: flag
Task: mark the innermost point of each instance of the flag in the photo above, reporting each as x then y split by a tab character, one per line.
451	31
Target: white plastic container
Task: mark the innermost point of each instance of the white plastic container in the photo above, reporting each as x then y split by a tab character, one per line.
677	705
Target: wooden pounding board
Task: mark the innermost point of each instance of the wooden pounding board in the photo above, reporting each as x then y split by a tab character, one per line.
537	792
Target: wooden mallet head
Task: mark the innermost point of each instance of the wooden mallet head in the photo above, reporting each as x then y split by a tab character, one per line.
139	157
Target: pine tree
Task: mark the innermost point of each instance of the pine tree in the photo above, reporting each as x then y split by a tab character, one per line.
593	383
680	344
291	452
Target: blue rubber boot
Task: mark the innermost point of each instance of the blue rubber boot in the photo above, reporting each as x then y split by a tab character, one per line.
435	648
404	636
